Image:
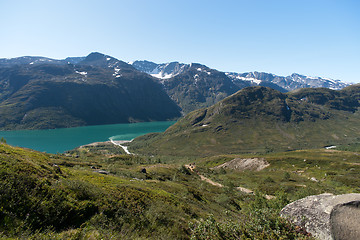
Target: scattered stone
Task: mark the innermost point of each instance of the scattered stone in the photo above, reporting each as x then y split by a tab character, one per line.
245	190
327	216
57	168
314	179
102	172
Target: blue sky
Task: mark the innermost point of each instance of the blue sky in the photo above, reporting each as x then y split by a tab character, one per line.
316	37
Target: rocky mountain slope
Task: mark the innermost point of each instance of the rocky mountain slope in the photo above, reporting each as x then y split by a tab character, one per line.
194	85
162	71
283	84
289	83
260	119
98	89
198	87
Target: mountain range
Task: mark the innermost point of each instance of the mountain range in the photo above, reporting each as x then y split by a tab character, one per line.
289	83
40	93
217	173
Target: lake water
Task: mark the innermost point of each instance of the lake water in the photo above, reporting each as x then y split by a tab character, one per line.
63	139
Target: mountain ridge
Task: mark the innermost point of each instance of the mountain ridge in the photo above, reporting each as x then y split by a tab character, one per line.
289	83
171	69
260	119
182	88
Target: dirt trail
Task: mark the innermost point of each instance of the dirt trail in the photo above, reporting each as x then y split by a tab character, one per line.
192	167
210	181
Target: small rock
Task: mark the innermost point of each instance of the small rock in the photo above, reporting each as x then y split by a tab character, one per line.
314	179
102	172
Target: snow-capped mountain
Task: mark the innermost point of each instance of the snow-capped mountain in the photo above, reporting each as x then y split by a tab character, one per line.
292	82
283	84
163	70
186	86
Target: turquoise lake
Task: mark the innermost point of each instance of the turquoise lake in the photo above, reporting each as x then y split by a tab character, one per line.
63	139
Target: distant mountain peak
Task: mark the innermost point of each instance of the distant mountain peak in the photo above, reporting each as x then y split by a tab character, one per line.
161	71
96	58
291	82
164	71
101	60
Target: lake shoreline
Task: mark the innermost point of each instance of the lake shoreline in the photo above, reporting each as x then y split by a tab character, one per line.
65	139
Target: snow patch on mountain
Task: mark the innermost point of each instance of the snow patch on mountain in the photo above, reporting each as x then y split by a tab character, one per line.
292	82
81	73
161	71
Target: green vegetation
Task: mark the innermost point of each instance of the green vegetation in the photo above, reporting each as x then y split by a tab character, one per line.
261	120
354	147
174	188
66	197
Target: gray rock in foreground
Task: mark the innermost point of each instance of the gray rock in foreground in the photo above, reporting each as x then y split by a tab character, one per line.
345	221
327	216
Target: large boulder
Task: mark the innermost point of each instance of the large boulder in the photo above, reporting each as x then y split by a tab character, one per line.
327	216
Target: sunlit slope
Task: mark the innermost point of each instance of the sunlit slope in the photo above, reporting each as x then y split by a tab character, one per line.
259	119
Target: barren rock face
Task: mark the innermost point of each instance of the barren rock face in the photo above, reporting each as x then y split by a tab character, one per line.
327	216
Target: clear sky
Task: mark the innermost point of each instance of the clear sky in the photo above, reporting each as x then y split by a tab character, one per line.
311	37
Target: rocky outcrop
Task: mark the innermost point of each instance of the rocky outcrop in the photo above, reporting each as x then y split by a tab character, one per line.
327	216
242	164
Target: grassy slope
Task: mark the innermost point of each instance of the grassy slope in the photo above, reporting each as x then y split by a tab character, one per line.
46	196
336	171
41	200
261	120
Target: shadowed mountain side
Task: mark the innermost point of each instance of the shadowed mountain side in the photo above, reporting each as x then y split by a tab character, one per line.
198	86
259	119
53	96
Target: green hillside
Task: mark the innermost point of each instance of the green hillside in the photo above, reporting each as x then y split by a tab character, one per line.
191	182
90	195
96	192
259	120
